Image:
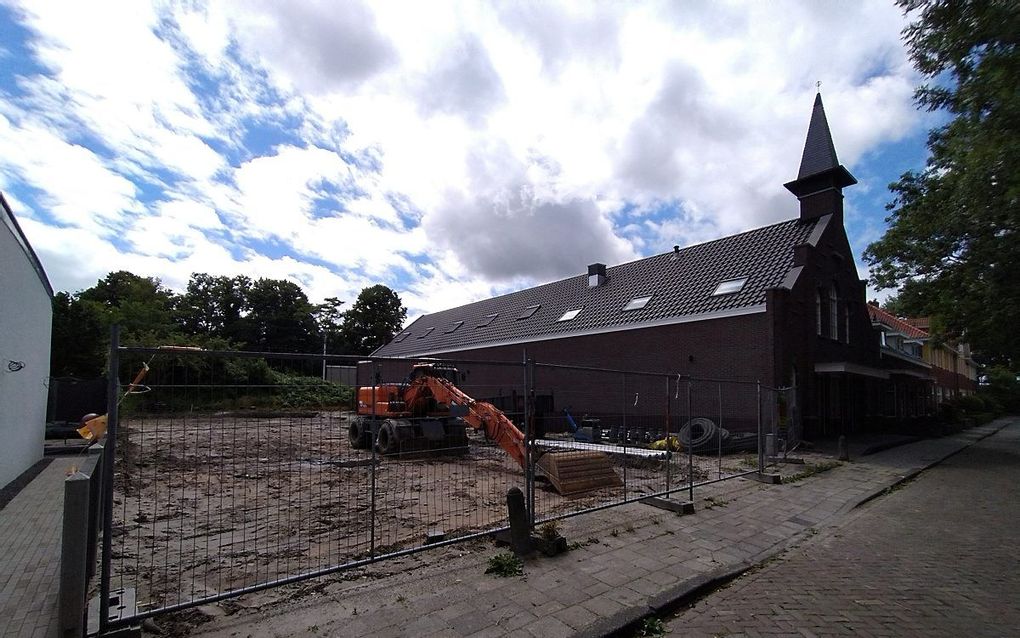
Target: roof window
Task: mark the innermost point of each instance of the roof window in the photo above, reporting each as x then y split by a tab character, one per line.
530	310
487	320
400	337
730	286
427	332
453	328
637	303
570	314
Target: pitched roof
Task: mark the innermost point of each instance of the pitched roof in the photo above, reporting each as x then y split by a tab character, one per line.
899	325
681	286
819	151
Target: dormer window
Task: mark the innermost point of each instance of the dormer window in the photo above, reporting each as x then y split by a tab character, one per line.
427	332
637	303
530	310
730	286
570	315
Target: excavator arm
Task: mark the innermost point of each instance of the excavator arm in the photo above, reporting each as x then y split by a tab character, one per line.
481	415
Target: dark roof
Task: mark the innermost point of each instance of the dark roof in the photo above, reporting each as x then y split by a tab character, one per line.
19	236
681	285
819	151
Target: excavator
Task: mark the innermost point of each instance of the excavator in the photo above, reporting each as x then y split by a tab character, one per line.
427	412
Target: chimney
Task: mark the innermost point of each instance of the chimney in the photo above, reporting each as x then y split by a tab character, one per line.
596	275
676	252
821	179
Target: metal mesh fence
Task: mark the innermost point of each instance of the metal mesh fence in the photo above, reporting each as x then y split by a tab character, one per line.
239	471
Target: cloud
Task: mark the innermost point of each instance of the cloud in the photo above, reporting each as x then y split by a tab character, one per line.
452	150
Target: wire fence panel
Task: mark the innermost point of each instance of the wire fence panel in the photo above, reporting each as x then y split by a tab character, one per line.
234	472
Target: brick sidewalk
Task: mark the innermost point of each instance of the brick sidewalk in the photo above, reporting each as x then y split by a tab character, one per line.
640	560
934	559
30	529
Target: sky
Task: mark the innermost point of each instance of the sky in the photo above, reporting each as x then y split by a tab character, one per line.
449	150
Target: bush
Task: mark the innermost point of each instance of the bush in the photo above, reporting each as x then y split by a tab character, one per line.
294	391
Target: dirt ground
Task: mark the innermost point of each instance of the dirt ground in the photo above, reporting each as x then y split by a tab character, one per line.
206	504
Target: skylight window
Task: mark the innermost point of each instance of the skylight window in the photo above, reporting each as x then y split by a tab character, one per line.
400	337
530	310
570	314
453	328
487	320
637	303
427	332
730	286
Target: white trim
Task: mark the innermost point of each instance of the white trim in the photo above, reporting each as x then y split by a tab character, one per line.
851	368
707	316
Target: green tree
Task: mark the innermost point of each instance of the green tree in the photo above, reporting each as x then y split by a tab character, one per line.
371	322
141	306
215	306
280	318
952	246
80	338
329	318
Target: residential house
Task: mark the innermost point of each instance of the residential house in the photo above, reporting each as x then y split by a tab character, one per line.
26	313
782	305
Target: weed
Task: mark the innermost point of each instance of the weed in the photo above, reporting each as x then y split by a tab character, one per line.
652	626
629	528
505	565
715	502
811	470
550	531
614	533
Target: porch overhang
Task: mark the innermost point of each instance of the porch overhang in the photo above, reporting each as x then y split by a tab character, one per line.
851	368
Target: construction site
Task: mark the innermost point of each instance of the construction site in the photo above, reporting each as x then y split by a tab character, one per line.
221	489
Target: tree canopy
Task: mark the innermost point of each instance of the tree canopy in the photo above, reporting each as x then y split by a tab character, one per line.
214	311
952	246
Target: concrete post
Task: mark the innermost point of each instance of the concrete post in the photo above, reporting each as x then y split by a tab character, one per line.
520	532
844	452
73	552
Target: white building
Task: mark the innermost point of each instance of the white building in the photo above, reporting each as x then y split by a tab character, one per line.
26	314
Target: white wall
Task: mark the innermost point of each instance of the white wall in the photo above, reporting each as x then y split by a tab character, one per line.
26	314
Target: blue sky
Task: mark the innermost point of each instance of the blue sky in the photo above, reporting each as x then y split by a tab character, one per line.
450	150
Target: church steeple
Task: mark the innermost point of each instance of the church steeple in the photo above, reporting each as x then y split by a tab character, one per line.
821	179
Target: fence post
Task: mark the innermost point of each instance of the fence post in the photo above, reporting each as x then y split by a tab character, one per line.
73	555
669	447
95	505
375	435
112	396
690	448
761	436
529	438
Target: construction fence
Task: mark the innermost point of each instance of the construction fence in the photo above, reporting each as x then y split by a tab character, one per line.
235	472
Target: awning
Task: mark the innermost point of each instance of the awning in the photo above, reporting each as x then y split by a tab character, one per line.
851	368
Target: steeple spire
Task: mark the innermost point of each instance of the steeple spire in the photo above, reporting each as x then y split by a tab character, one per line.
821	177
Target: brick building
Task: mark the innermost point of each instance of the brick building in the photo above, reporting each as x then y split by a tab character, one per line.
782	304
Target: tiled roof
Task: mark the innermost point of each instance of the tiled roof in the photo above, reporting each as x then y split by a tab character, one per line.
680	284
819	151
899	325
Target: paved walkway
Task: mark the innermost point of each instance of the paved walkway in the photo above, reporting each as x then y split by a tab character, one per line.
937	558
639	560
30	529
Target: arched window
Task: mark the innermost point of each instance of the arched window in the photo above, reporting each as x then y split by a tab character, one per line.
818	311
846	323
833	313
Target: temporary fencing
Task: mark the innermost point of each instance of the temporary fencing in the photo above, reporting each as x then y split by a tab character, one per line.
239	471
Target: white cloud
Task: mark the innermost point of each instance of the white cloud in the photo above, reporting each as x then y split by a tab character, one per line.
520	142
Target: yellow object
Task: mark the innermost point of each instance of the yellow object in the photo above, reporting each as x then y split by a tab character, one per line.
670	443
93	428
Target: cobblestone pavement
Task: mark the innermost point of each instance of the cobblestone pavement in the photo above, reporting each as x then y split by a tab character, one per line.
639	559
30	529
935	558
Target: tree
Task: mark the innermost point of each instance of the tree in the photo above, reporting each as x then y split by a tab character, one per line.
215	306
280	318
141	306
329	319
375	317
953	242
80	338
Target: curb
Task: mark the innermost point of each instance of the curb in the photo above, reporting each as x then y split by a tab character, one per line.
627	620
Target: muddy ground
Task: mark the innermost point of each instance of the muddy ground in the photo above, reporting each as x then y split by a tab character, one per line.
207	504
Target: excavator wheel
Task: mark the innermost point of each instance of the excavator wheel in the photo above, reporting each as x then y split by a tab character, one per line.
388	441
359	433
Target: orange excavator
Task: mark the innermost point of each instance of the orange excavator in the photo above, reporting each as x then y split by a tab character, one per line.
427	414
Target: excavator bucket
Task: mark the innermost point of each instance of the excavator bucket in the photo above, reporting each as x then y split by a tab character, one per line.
576	472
